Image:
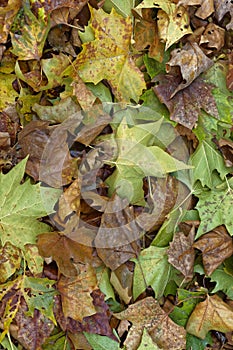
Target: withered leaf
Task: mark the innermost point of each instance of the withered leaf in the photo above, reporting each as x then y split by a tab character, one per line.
186	105
69	201
116	240
229	77
221	8
122	280
65	251
181	253
50	5
76	291
226	148
163	331
211	314
213	37
192	62
216	246
205	10
7	16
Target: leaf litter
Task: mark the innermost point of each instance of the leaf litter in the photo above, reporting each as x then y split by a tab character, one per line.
116	174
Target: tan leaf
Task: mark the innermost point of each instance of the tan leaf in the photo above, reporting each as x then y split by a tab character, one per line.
205	10
181	253
192	62
148	314
226	148
213	36
211	314
69	202
75	293
216	246
221	8
122	280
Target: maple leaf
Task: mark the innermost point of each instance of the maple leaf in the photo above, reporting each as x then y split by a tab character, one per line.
20	206
163	331
211	314
172	20
151	269
215	209
108	56
30	43
216	246
205	160
186	105
192	62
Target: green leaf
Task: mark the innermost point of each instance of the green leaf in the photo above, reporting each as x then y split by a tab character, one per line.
194	343
147	342
151	269
108	56
103	277
206	126
57	342
30	43
99	342
215	208
20	206
123	7
205	160
223	280
7	92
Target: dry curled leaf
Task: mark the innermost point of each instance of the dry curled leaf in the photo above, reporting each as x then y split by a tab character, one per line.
192	62
216	246
213	37
181	253
226	148
211	314
205	10
222	7
186	105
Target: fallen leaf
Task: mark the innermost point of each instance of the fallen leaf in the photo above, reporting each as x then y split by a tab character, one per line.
69	202
147	342
7	92
100	342
226	148
205	10
192	62
30	43
172	20
151	269
51	245
7	16
20	208
181	253
223	281
211	314
110	50
76	291
186	105
10	258
51	5
229	77
221	9
122	280
163	331
216	246
213	36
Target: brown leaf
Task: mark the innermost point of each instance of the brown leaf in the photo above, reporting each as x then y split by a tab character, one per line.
186	105
69	202
211	314
65	251
216	246
51	5
117	235
226	148
205	10
229	78
192	62
213	36
181	254
7	15
122	280
222	8
148	314
76	291
8	126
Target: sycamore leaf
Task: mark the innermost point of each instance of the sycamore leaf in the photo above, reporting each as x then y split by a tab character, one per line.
147	342
7	92
205	160
10	257
7	16
99	342
215	209
216	246
223	280
181	254
76	292
186	105
205	10
151	269
123	7
221	8
173	20
163	331
20	206
30	43
108	57
211	314
192	62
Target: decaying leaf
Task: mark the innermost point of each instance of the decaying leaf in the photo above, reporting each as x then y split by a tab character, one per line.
186	105
10	259
205	10
7	92
216	246
226	148
211	314
163	331
172	20
221	9
108	57
213	36
122	280
181	253
7	15
75	292
192	62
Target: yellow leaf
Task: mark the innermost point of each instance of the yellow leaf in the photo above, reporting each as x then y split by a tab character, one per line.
108	56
